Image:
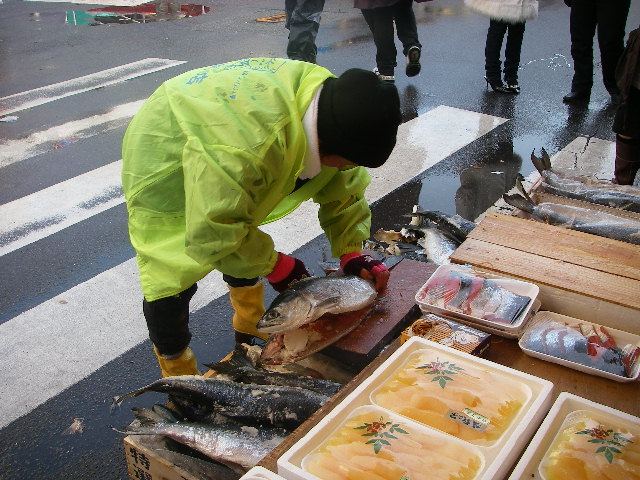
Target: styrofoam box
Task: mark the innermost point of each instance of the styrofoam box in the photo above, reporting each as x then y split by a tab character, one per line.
260	473
621	338
516	286
498	458
566	403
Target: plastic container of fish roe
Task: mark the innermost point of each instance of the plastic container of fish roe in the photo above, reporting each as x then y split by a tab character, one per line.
430	299
565	409
498	457
261	473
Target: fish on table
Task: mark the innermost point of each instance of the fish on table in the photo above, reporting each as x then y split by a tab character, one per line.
581	219
310	298
239	447
251	404
454	226
570	184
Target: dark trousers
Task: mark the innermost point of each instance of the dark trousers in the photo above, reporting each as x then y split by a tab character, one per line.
380	21
303	23
495	35
168	321
168	318
609	18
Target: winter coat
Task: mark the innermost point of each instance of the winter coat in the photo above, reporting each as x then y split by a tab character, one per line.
213	154
512	11
628	64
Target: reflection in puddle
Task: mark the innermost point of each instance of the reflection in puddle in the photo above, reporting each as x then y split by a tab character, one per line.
146	13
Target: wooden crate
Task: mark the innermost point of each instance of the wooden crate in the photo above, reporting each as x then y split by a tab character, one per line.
580	275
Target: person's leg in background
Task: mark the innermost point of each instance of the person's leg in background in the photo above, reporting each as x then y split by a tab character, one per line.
626	125
492	49
582	27
380	21
168	324
512	51
612	21
303	22
407	31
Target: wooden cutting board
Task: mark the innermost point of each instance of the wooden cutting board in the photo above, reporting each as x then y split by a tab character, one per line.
390	316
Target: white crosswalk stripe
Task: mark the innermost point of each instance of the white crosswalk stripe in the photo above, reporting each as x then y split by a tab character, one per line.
51	93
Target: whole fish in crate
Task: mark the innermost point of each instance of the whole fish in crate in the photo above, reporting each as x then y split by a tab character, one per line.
580	219
238	447
569	184
240	369
310	298
268	405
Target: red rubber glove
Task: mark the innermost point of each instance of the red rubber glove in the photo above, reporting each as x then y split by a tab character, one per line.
366	267
287	271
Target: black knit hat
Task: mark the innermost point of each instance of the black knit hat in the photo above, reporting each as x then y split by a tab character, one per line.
358	117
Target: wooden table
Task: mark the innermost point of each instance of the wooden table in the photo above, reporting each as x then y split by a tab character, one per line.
618	395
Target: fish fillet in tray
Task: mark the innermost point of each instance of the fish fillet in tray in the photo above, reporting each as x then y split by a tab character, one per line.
584	346
502	305
484	412
260	473
580	439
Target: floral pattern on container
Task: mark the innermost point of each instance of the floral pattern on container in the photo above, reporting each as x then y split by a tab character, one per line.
450	394
586	448
371	446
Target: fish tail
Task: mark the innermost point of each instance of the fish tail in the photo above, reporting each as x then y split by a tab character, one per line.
236	361
540	162
116	401
521	189
520	202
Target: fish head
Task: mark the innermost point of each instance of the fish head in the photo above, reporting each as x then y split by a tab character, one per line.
289	310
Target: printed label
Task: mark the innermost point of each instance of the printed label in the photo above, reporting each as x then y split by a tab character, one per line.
467	420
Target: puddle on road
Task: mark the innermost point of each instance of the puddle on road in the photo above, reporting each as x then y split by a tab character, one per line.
145	13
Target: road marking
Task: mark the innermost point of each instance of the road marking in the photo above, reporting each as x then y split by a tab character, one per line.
36	343
14	151
51	93
25	220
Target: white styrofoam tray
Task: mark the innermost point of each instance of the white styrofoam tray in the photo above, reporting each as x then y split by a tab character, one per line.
411	441
621	338
498	458
516	286
260	473
527	467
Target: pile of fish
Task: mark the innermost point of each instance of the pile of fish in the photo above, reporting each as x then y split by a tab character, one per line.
430	236
234	418
570	184
581	343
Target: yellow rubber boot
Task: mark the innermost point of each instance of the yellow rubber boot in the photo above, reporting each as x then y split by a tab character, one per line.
248	305
184	364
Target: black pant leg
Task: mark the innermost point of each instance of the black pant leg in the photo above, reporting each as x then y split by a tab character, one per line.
303	23
492	49
406	27
612	21
515	34
380	21
582	26
168	321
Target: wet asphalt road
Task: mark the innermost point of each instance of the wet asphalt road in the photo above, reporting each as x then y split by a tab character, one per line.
37	49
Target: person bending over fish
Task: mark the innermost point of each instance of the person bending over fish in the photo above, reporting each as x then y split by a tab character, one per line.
218	151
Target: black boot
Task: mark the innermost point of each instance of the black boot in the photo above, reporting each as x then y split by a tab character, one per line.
627	160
